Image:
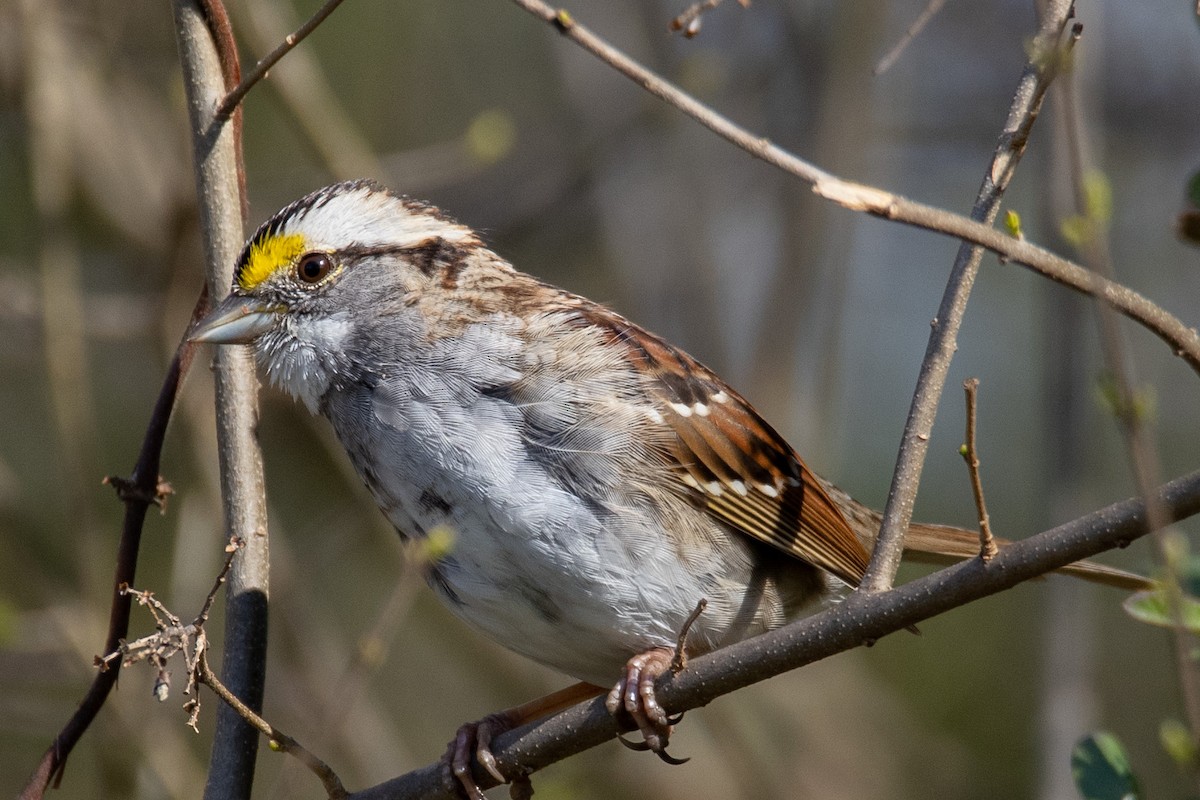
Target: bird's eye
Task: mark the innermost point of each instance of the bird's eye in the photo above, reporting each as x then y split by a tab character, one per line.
314	267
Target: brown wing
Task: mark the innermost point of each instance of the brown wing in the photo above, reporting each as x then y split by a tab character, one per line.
736	465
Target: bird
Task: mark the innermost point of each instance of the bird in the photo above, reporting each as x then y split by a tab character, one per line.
614	505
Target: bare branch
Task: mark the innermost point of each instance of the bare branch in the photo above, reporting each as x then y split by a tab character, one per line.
861	618
689	21
1183	340
145	479
205	50
987	545
278	740
929	12
259	72
943	338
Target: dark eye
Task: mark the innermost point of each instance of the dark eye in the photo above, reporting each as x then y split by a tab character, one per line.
313	267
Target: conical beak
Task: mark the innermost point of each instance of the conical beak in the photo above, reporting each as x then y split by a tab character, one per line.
238	320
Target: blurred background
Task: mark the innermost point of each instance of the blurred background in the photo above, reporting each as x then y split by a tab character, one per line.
818	315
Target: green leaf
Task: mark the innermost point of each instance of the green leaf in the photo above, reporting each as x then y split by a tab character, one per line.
1153	608
1177	740
1012	224
1101	769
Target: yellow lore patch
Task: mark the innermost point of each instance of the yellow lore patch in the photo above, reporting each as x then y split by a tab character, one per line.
267	256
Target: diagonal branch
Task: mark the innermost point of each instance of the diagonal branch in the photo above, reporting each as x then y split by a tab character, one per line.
259	72
862	619
1039	71
143	484
1182	339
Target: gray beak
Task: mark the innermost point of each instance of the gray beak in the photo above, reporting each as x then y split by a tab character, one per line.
238	320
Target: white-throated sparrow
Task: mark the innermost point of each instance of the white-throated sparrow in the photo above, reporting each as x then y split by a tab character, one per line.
599	482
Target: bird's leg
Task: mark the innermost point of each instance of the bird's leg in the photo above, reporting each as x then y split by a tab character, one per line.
633	698
475	738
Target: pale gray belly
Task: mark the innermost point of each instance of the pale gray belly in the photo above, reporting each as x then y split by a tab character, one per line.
577	586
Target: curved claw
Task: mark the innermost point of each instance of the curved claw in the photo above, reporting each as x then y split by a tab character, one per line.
641	747
670	759
633	700
474	739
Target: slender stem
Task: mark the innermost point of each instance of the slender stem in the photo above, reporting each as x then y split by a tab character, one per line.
145	479
943	338
860	619
259	72
279	740
929	12
987	544
209	67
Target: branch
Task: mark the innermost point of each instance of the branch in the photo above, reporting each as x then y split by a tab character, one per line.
987	543
231	100
1039	71
278	740
1183	340
209	67
144	482
1144	462
862	619
929	12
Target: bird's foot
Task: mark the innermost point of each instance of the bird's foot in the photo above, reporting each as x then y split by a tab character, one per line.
473	742
633	698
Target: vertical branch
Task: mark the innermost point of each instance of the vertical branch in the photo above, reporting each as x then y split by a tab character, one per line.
987	544
943	340
209	69
137	493
1096	253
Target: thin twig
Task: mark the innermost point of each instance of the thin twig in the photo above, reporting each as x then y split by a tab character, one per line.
231	550
679	660
173	637
987	545
914	30
689	21
1096	251
145	478
231	100
1180	338
841	627
1040	70
278	740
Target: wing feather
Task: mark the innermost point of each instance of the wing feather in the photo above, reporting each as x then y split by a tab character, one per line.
739	469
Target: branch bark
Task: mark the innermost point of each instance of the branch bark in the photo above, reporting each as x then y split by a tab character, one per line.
1039	71
1182	339
144	484
209	69
861	620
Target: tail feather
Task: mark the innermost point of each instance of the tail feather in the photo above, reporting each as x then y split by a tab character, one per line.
945	544
942	544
